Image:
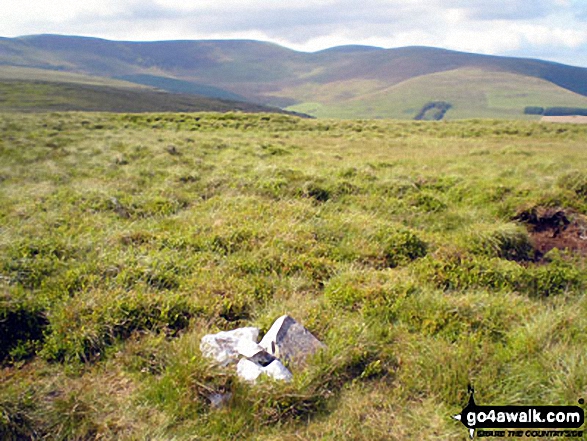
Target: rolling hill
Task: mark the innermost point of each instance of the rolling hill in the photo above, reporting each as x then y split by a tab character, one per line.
348	81
471	92
39	90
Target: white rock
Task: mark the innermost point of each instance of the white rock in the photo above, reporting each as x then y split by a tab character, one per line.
222	347
248	370
254	352
288	340
247	333
248	348
278	371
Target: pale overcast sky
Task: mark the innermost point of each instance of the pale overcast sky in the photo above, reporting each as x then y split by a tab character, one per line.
549	29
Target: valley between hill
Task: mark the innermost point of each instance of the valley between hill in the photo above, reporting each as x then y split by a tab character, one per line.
344	82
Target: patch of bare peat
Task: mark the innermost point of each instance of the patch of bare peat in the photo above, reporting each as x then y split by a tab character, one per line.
551	228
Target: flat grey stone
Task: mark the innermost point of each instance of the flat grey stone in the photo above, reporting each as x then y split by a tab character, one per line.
290	341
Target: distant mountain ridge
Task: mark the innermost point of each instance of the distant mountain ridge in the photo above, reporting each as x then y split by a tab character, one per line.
346	81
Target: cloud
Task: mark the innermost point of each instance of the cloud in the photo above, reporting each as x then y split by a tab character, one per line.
512	10
287	19
13	13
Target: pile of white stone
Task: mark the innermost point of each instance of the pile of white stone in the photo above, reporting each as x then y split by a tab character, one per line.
286	342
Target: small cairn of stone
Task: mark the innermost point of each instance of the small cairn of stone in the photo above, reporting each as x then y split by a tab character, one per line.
286	341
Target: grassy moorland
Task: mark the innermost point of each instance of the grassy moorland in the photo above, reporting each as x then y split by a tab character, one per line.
418	252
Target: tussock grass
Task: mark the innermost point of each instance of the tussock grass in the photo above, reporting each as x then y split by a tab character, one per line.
125	238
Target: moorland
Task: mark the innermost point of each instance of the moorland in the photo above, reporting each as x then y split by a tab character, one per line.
427	256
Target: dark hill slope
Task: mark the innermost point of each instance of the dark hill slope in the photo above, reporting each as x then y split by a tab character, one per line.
180	86
49	96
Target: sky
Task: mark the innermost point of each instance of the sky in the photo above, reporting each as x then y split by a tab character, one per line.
553	30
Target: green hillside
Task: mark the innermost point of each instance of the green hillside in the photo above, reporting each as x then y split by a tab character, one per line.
472	93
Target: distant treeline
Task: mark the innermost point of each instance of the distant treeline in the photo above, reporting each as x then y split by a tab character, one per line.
555	111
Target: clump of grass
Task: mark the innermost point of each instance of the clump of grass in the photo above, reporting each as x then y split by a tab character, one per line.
29	261
558	276
375	292
508	241
72	417
315	191
426	202
82	329
478	314
457	271
401	246
146	353
17	419
235	240
575	181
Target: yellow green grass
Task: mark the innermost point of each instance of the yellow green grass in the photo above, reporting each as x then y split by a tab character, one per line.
125	238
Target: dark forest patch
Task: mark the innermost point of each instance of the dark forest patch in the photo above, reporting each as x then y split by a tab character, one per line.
433	111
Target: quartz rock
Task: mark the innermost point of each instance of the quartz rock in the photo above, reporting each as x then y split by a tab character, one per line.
223	346
248	370
278	371
286	342
254	352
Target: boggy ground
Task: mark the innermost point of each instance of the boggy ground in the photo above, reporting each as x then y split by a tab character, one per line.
555	228
402	245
